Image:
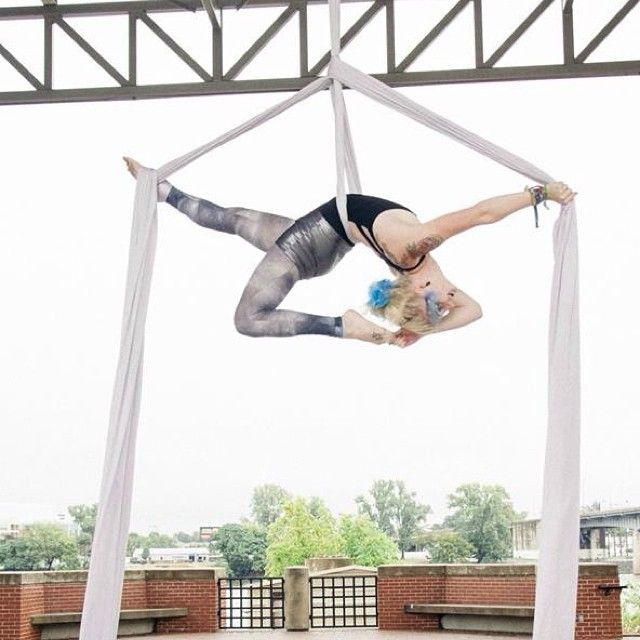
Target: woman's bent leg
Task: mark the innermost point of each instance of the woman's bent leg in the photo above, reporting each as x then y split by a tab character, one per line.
259	228
257	313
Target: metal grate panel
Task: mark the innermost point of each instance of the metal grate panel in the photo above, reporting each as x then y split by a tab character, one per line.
344	601
251	603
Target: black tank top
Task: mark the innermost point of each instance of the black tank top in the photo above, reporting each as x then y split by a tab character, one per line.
362	211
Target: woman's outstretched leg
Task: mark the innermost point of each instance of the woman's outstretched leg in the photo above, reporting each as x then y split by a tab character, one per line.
257	313
259	228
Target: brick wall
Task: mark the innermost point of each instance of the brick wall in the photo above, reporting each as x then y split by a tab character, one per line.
414	585
599	616
23	595
199	594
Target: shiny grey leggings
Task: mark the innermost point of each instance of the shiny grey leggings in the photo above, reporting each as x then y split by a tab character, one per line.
295	250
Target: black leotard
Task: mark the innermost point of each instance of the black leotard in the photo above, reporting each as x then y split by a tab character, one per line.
362	211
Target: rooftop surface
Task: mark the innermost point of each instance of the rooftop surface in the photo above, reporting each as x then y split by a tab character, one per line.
324	634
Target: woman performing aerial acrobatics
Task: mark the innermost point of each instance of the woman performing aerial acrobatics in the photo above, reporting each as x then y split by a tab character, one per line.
419	300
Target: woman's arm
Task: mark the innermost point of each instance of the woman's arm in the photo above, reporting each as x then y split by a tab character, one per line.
433	233
466	311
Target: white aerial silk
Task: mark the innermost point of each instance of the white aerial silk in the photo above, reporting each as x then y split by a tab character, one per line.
557	572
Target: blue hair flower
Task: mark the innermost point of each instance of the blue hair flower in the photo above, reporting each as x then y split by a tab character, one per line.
379	293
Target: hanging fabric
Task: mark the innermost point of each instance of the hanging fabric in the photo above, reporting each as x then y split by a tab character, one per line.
557	571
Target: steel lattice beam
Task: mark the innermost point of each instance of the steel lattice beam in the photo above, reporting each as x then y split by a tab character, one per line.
215	81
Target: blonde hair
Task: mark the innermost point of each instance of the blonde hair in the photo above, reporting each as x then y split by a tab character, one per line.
405	307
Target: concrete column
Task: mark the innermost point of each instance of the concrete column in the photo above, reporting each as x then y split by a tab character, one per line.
594	543
636	553
296	599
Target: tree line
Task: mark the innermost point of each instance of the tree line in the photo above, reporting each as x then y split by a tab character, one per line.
285	530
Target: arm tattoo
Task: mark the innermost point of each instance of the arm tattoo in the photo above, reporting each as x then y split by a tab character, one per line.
424	246
377	337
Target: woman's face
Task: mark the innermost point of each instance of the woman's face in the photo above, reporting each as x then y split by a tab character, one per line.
435	298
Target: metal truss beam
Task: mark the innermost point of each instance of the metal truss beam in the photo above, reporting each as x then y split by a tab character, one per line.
215	81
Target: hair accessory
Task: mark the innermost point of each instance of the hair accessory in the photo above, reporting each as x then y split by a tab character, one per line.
434	313
379	293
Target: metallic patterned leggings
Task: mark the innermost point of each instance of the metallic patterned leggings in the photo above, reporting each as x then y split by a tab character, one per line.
295	250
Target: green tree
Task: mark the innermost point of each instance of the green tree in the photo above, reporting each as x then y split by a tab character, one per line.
41	546
297	535
84	515
364	542
316	506
446	547
182	537
482	515
267	503
594	507
134	541
631	608
394	510
157	540
243	547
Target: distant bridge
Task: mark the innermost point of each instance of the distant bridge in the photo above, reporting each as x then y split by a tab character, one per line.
612	519
606	534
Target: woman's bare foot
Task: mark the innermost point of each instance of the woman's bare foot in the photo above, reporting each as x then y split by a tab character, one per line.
358	328
133	166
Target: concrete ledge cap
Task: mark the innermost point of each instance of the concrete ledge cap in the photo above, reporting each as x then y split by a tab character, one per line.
297	570
589	569
598	569
408	570
497	570
54	577
18	578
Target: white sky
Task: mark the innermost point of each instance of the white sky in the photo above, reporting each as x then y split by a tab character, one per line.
223	413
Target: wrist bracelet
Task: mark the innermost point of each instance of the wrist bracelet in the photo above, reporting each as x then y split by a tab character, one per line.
538	194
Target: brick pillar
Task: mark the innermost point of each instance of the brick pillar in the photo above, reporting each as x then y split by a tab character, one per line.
598	612
21	596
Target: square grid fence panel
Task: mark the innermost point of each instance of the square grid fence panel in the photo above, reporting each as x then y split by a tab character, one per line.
251	603
344	601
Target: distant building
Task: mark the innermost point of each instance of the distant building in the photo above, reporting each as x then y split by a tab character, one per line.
207	533
174	554
10	530
15	516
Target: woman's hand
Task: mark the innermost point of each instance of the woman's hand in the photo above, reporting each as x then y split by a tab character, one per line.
355	327
559	192
405	338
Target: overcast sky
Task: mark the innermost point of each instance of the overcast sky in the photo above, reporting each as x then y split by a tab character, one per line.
223	413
